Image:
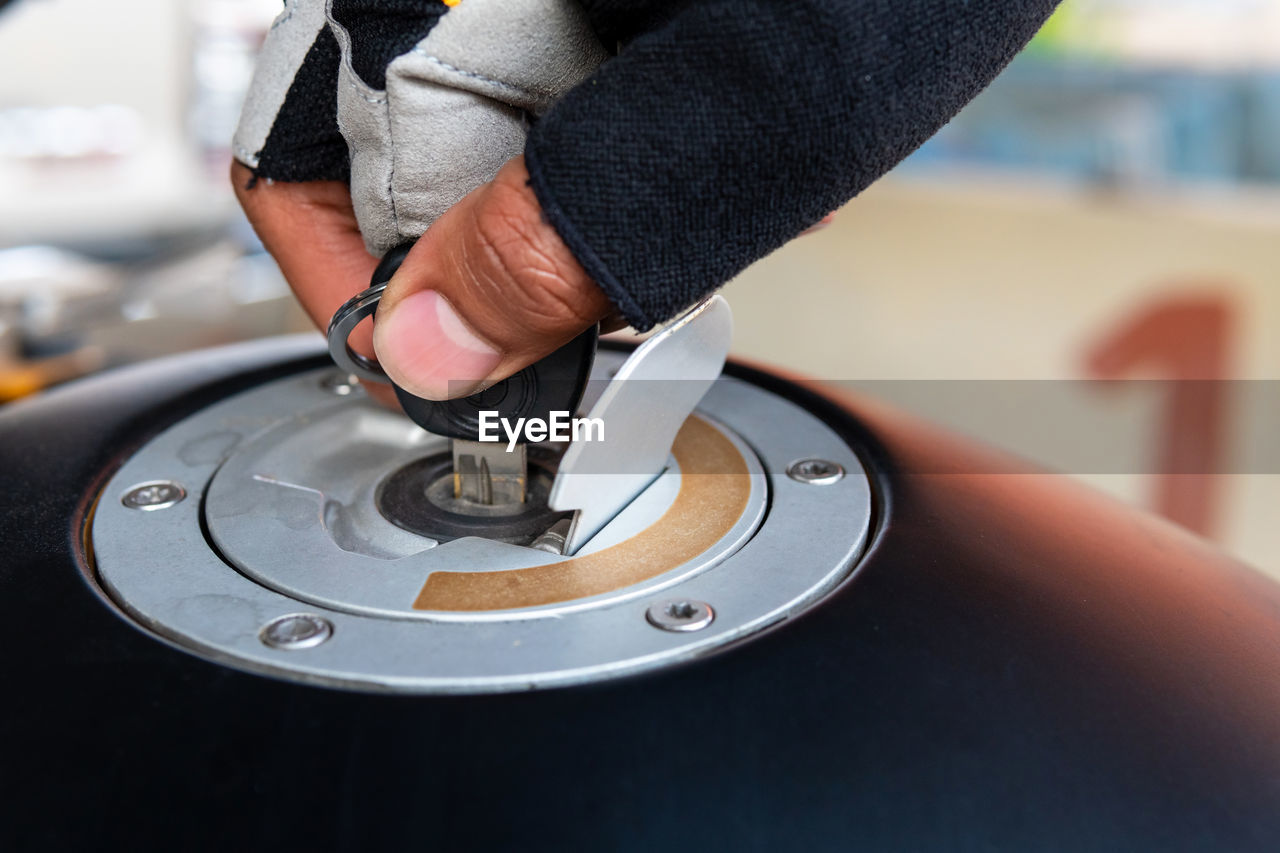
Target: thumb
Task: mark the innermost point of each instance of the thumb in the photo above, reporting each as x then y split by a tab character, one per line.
489	289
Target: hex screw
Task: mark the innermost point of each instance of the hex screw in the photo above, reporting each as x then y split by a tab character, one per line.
340	384
815	472
296	631
157	494
680	614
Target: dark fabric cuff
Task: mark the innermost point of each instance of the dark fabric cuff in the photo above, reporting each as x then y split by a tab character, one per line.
581	247
720	134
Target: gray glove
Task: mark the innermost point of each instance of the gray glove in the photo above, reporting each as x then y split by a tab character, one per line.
453	107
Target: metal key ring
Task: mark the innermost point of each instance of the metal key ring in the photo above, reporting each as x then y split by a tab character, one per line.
355	309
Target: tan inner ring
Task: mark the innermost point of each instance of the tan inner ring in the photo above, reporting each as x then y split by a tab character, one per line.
714	488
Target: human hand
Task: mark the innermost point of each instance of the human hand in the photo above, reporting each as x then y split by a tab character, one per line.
432	130
703	144
489	289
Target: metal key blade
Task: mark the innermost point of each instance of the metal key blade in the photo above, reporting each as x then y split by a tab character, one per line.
599	478
487	473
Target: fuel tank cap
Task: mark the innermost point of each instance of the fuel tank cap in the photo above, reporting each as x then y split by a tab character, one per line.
301	530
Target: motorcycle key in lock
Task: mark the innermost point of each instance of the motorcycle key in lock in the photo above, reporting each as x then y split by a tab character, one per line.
485	472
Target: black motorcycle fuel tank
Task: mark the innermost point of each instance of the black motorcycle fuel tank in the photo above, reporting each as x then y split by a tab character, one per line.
1010	662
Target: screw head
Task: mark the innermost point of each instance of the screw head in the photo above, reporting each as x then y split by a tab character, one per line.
815	472
680	614
340	384
296	631
157	494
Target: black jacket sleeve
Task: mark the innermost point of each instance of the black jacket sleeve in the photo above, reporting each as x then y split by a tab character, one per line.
723	128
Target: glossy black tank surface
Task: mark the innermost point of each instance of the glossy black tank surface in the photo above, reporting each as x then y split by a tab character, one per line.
1018	664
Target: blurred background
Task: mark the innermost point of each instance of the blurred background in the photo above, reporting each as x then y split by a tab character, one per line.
1083	267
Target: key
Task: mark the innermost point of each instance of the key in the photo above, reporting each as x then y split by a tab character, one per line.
484	472
487	473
